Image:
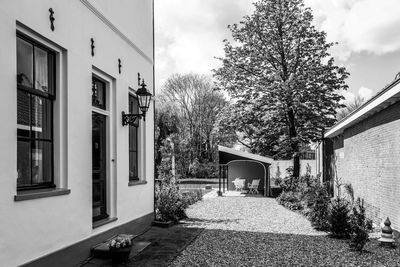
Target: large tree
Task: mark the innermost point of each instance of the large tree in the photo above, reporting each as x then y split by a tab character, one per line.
281	77
195	103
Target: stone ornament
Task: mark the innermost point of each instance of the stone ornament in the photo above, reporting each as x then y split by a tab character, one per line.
387	234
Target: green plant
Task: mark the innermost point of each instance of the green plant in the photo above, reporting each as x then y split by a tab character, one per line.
360	226
120	242
339	218
278	181
192	197
291	200
169	202
318	204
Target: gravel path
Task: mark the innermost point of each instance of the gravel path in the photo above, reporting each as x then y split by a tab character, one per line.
255	231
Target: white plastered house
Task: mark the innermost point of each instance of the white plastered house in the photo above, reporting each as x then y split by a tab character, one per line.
71	174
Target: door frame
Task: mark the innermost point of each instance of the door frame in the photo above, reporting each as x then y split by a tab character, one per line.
111	126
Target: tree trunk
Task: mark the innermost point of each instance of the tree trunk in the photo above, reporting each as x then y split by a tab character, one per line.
294	144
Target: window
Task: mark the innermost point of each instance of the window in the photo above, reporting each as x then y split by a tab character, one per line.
133	140
35	99
98	93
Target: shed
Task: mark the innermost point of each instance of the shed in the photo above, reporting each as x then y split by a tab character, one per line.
246	165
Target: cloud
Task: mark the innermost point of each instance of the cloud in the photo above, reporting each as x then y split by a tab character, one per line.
359	25
189	34
363	92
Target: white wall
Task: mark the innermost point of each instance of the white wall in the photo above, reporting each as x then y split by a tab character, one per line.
284	164
33	228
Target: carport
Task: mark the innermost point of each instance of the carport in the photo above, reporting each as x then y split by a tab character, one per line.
235	163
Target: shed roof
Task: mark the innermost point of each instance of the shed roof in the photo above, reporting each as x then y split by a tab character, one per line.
244	154
386	97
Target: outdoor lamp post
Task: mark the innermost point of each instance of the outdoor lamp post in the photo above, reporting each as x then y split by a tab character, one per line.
143	98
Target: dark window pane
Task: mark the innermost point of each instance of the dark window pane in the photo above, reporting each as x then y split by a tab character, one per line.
41	162
133	105
41	71
24	63
133	168
98	94
132	138
24	163
41	114
23	104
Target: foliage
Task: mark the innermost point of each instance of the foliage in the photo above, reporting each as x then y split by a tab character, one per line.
339	218
120	242
192	197
318	204
290	200
283	83
169	202
360	226
350	106
187	111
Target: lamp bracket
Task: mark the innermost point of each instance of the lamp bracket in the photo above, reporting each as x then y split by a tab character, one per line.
131	119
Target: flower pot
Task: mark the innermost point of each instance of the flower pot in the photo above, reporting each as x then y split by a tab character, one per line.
120	254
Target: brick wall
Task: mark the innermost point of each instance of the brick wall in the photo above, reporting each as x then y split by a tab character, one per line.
368	157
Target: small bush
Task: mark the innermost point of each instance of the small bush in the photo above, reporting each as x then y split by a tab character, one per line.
318	204
192	197
291	200
169	202
360	226
278	181
339	218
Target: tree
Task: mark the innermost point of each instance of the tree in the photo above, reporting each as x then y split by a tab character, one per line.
351	106
281	76
196	104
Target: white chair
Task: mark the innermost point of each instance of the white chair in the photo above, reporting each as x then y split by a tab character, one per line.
253	186
239	184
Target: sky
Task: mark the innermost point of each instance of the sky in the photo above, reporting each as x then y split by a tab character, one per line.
189	34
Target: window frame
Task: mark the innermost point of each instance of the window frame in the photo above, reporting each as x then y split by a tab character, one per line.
51	97
132	98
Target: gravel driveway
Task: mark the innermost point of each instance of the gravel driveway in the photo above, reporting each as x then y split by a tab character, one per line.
256	231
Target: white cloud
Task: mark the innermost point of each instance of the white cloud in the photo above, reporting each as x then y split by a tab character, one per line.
359	25
365	92
189	34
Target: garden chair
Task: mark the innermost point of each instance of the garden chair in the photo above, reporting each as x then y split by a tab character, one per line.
253	186
239	184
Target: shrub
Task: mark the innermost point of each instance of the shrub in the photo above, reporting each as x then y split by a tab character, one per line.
192	197
318	204
291	200
360	226
278	181
339	219
169	202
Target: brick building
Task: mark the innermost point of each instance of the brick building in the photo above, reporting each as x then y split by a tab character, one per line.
364	149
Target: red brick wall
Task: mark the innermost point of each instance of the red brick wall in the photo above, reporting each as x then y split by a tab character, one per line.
369	159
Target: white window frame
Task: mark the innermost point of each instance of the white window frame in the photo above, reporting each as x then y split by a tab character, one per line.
60	119
141	146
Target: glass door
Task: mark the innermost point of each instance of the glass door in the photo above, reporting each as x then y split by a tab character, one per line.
99	174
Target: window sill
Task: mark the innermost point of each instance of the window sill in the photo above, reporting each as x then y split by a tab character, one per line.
103	222
133	183
40	193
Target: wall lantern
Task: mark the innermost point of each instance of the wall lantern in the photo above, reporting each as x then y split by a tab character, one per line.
143	98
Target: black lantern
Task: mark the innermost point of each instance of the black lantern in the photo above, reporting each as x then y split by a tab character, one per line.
143	98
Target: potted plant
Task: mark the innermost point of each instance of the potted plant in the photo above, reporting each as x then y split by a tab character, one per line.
120	248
